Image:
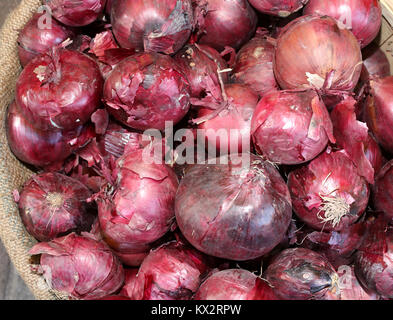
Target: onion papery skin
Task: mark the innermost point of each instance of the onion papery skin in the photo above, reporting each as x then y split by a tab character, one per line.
302	274
80	266
41	148
34	40
59	90
291	127
278	8
130	288
375	63
52	205
254	65
379	111
234	284
152	25
326	184
312	50
233	211
234	120
170	272
200	65
373	263
146	90
382	190
139	208
76	13
222	23
362	17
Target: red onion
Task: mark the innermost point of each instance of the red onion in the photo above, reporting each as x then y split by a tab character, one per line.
200	64
139	208
374	154
233	211
314	52
350	288
382	191
145	90
130	288
291	127
152	25
76	13
80	266
254	65
379	111
101	42
328	194
280	8
37	37
232	117
373	264
302	274
234	284
223	23
42	148
362	17
375	63
52	205
170	272
59	90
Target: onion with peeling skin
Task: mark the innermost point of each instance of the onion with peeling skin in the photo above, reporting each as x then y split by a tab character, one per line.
79	266
130	288
146	90
37	37
152	25
291	127
234	284
222	23
280	8
328	194
302	274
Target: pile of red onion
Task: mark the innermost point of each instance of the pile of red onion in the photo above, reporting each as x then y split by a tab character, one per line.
206	149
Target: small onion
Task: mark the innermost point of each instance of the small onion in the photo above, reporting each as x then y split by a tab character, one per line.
291	127
314	52
223	23
383	192
80	266
152	25
280	8
234	284
302	274
76	13
37	37
233	211
59	90
362	17
146	90
328	193
254	65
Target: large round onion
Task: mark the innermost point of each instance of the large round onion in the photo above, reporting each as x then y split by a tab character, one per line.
375	63
233	211
223	23
152	25
59	90
139	208
362	17
147	89
328	194
379	111
52	205
373	264
201	65
291	127
383	191
41	148
302	274
280	8
234	284
228	126
35	39
170	272
80	266
254	65
314	52
76	13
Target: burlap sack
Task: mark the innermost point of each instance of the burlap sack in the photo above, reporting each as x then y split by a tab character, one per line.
12	173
